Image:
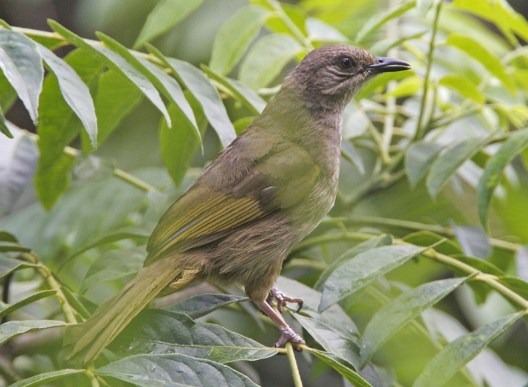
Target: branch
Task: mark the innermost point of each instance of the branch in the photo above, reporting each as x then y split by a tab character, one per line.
45	272
119	173
420	127
297	382
490	280
275	5
446	231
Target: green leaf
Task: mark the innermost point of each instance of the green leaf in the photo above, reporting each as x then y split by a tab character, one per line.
357	273
407	87
381	47
380	83
235	36
350	153
202	304
7	309
473	241
165	15
375	22
115	98
73	224
319	31
350	375
127	233
494	169
477	51
136	72
172	90
12	329
464	87
382	240
3	125
204	92
75	92
17	169
516	284
58	126
459	352
521	263
334	316
52	181
394	315
501	14
7	247
173	370
284	18
449	161
179	144
267	58
425	5
245	95
480	264
47	377
116	62
8	265
418	159
331	340
112	265
162	332
7	237
22	65
168	85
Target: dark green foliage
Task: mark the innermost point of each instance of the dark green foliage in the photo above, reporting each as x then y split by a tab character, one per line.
408	255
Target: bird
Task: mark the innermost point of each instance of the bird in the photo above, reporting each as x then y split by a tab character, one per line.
263	194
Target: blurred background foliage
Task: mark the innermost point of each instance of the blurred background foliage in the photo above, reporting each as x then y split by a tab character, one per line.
416	146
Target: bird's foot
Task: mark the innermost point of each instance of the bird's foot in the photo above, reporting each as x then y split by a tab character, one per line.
282	300
289	336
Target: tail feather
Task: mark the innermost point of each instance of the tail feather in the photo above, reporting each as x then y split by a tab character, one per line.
91	337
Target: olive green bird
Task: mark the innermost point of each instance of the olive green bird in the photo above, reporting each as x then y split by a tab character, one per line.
270	188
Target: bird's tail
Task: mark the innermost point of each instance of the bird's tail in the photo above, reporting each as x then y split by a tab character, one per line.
88	339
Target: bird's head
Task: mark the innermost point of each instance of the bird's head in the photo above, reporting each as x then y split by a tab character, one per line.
330	75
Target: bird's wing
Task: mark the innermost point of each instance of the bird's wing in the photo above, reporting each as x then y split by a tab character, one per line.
279	177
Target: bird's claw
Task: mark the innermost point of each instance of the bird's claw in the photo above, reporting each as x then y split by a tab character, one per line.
289	336
282	300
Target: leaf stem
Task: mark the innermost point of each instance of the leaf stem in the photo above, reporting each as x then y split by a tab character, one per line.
45	272
59	38
133	180
420	126
330	238
289	24
390	103
92	377
454	263
408	224
297	382
119	173
488	279
40	34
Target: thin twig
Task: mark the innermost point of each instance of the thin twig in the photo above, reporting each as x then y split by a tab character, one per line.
133	180
420	126
408	224
45	272
454	263
119	173
297	382
390	103
296	32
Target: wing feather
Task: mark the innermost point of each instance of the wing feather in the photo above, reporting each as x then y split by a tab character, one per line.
234	191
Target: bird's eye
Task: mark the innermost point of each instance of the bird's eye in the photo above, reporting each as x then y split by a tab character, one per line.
346	62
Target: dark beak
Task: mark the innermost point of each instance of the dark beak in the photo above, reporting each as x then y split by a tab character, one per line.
385	65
